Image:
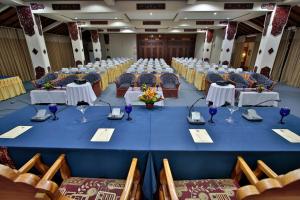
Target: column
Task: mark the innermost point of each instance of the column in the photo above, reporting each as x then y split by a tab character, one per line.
273	29
207	45
96	45
75	35
32	28
227	43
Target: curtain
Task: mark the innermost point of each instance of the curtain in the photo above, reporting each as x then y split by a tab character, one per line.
60	51
14	55
237	53
281	53
291	73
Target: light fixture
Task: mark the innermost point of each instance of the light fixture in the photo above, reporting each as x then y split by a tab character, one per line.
115	18
227	18
215	13
151	13
76	18
185	18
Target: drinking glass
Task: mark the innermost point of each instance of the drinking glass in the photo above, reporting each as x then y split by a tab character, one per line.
128	109
212	111
284	112
53	109
231	109
82	109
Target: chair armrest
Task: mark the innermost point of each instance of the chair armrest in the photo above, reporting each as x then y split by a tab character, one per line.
262	168
170	181
36	162
132	178
242	167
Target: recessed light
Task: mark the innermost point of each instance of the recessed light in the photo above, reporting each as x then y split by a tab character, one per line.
76	18
227	18
115	18
215	13
206	27
151	13
185	18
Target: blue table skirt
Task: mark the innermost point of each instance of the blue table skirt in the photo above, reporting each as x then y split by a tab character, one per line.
152	136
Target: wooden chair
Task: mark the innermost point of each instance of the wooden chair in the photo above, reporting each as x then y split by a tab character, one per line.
19	184
78	187
169	84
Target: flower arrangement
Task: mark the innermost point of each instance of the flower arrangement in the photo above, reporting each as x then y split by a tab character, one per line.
48	86
150	97
260	88
143	87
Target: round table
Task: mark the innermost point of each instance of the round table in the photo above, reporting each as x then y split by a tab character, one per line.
82	92
219	95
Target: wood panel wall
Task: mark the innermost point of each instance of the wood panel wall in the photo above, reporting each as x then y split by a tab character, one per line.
165	46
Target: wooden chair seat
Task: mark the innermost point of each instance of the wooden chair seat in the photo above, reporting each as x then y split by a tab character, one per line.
92	188
208	189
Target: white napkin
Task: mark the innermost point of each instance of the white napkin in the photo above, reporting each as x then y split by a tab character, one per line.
103	135
288	135
200	136
15	132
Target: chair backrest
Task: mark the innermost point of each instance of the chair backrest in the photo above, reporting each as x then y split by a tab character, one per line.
237	78
92	77
147	78
261	79
126	78
169	78
265	71
67	80
213	77
46	78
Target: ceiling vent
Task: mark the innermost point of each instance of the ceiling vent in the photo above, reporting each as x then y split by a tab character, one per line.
238	6
66	6
150	6
99	22
149	23
151	30
205	22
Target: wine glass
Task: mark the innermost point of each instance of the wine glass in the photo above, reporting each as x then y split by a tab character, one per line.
128	109
82	109
53	109
212	111
231	109
284	112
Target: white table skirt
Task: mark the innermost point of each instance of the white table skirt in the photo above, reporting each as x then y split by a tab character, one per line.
48	96
82	92
219	95
132	97
251	98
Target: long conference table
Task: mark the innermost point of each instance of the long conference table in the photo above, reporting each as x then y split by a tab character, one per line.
151	136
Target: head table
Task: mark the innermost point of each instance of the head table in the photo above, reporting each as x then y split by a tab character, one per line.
152	136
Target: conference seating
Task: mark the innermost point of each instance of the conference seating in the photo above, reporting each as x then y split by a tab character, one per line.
170	84
260	79
21	185
239	81
283	187
44	79
212	78
95	80
123	82
65	81
148	79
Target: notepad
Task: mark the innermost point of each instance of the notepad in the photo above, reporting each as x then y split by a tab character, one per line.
200	136
288	135
103	135
15	132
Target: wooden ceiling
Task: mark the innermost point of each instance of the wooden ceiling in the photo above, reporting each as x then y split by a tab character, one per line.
9	18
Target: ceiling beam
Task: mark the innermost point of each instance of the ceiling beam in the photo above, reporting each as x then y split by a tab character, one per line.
251	24
110	2
51	26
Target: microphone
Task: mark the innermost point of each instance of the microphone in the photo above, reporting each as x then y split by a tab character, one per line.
197	119
115	114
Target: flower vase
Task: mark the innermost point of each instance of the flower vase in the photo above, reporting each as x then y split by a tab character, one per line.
149	106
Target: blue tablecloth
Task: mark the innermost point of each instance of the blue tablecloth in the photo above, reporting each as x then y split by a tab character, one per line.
152	136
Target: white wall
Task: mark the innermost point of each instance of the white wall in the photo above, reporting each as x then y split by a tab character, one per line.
199	45
122	45
216	46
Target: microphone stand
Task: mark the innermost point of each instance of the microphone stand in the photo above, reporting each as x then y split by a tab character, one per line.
195	121
110	116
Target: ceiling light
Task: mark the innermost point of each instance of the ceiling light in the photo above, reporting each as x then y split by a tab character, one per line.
206	27
151	13
76	18
115	18
227	18
215	13
185	18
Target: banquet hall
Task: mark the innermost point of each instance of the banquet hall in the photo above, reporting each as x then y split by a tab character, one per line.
162	99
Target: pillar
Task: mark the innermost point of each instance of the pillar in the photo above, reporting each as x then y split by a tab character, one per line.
207	45
75	35
32	28
96	45
272	33
227	43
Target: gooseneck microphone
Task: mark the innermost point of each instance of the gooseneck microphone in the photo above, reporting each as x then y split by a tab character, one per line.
195	119
192	106
100	100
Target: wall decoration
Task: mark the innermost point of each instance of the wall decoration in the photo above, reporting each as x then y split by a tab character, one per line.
227	50
271	50
26	19
94	36
44	51
209	35
76	50
280	19
231	30
35	51
73	30
267	22
259	52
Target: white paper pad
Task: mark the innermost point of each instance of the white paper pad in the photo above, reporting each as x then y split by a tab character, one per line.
288	135
15	132
200	136
103	135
